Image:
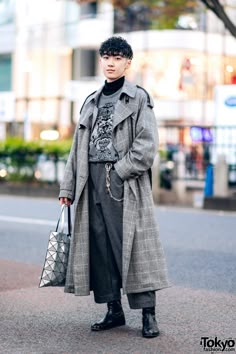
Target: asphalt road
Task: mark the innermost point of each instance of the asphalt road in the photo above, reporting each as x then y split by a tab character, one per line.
200	247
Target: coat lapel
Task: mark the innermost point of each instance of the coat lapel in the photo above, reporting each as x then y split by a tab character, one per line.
90	110
86	118
122	111
95	113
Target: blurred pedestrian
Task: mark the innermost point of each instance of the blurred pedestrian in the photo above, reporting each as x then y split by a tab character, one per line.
188	162
193	162
206	156
115	241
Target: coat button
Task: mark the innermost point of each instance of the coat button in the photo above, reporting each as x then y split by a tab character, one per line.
121	128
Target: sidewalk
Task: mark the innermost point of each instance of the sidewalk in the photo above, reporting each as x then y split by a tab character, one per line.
47	321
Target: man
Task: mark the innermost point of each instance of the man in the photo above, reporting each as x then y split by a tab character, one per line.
115	240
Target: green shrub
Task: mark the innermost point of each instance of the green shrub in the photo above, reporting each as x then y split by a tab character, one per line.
20	157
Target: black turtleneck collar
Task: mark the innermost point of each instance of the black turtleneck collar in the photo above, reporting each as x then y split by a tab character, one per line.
111	87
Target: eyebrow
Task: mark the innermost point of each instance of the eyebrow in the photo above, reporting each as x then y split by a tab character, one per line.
114	54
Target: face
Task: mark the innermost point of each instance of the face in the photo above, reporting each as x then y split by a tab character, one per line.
114	67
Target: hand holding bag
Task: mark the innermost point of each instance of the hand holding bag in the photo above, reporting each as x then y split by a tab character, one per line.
56	260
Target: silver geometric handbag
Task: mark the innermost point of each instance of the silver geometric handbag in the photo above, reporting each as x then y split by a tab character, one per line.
56	260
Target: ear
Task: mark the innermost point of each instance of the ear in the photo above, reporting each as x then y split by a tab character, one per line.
128	63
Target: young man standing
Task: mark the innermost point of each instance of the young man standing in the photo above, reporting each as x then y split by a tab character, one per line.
115	243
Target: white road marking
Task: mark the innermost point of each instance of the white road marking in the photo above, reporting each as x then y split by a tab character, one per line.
190	210
21	220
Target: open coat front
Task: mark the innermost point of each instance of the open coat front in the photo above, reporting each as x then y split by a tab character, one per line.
135	139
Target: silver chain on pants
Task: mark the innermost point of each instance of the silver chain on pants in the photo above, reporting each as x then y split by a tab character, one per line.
108	167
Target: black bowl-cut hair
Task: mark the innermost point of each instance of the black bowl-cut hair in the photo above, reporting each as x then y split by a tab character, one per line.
116	46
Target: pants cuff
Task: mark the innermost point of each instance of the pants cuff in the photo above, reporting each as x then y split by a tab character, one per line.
142	300
106	298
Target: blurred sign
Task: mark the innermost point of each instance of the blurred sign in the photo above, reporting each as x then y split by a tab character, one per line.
225	122
231	101
225	105
7	106
200	134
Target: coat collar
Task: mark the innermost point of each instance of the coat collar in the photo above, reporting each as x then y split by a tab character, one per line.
128	88
122	110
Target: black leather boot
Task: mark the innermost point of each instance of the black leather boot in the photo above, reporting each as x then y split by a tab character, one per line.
114	317
150	328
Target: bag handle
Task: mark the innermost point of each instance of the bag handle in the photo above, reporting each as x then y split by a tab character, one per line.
61	219
69	220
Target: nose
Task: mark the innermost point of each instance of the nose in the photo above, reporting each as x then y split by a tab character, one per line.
110	61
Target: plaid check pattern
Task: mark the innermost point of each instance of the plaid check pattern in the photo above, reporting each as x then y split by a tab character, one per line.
135	139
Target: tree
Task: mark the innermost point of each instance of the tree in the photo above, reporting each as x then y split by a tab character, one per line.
216	7
168	11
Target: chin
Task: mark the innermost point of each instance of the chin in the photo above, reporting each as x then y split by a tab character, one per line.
113	78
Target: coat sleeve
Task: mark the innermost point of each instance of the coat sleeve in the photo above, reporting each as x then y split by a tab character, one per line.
67	186
141	155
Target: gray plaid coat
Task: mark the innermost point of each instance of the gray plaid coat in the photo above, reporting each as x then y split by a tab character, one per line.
135	139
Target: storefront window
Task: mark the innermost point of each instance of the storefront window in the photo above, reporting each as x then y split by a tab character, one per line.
5	72
181	74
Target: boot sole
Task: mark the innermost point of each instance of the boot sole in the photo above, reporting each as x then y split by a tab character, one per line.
107	328
150	335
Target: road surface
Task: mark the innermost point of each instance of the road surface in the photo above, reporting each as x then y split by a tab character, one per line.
200	306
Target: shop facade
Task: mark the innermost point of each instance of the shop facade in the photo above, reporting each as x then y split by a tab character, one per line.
50	50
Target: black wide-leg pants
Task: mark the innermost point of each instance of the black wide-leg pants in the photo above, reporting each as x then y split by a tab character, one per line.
105	237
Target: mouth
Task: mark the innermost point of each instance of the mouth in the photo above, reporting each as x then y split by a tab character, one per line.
110	71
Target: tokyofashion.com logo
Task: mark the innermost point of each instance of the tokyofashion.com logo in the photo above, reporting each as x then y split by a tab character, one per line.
217	345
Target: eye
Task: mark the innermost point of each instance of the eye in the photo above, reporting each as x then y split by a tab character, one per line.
118	58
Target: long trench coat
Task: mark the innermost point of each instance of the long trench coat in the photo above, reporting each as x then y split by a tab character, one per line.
135	139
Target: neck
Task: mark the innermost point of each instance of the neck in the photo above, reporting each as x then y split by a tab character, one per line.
111	87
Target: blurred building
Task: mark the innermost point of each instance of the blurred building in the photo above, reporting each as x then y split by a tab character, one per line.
49	62
46	48
182	66
7	45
